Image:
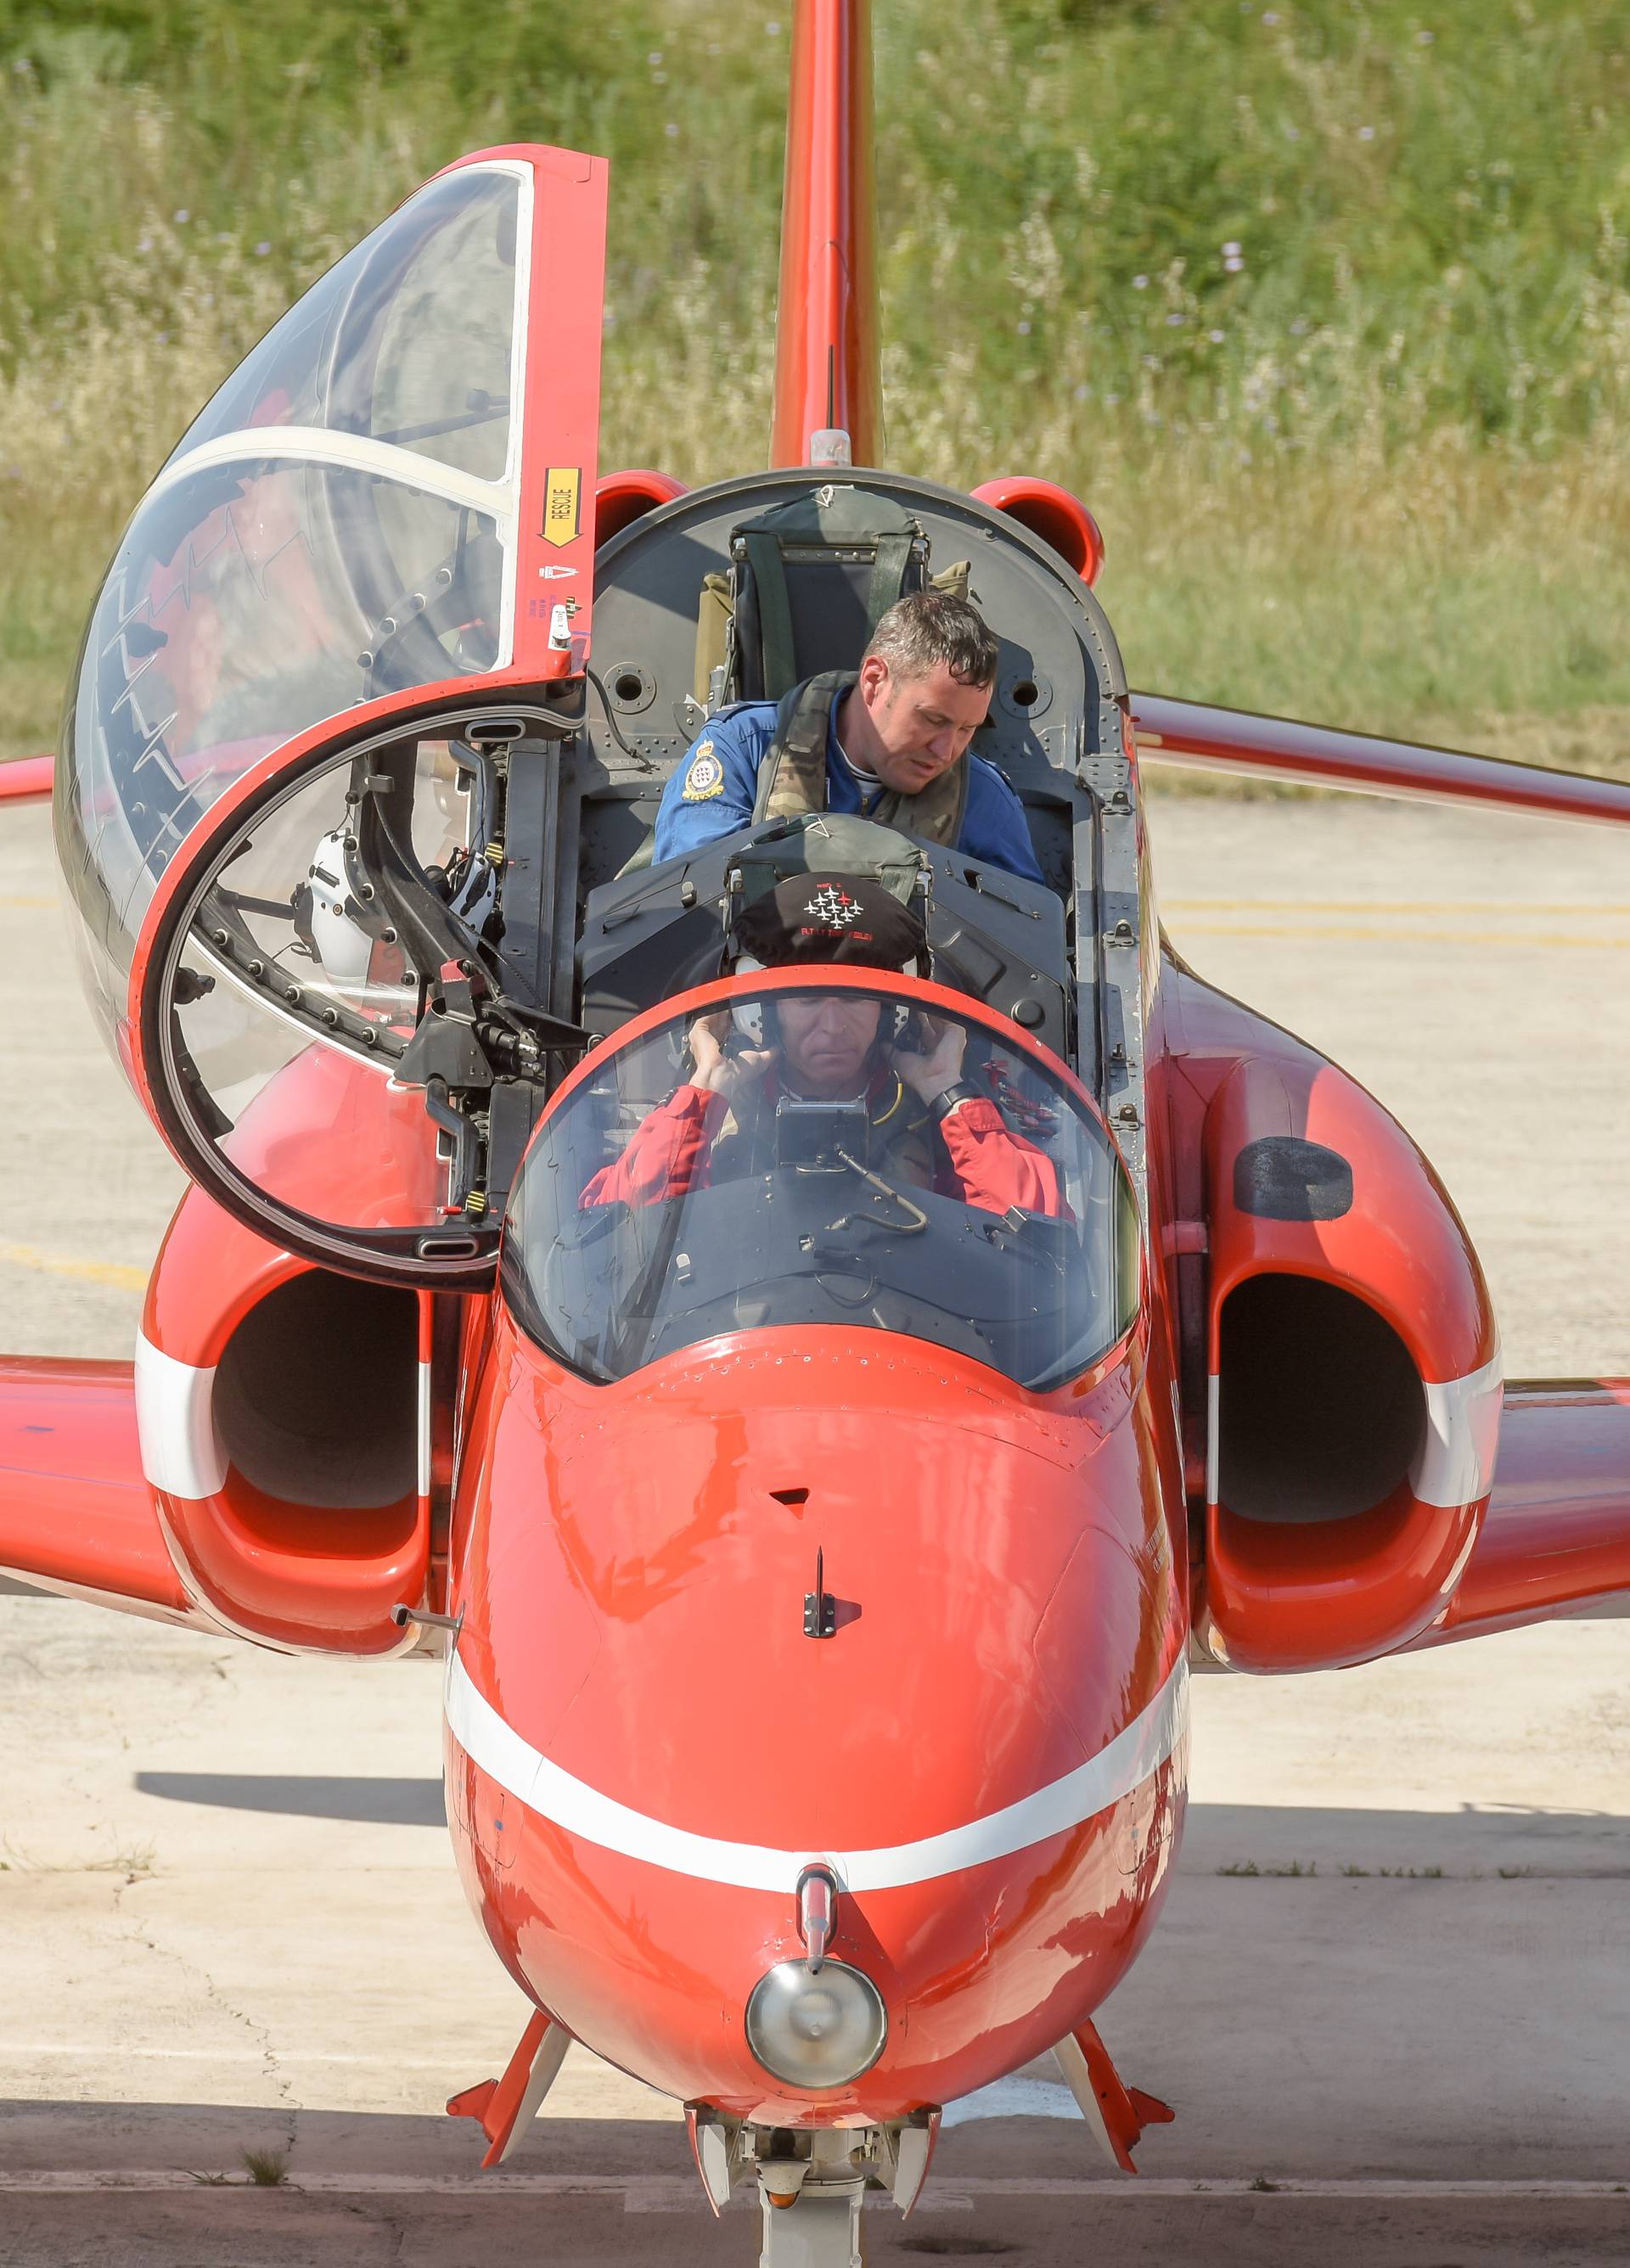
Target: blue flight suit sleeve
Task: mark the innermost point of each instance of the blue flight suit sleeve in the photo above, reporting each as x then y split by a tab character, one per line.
993	825
711	792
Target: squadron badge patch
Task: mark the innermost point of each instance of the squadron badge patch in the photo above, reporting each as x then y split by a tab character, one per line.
705	777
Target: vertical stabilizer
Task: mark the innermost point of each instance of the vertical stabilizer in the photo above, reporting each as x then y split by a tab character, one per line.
827	381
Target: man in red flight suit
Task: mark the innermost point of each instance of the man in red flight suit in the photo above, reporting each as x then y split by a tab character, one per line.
831	1047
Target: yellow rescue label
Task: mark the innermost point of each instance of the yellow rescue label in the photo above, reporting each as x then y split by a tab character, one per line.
563	493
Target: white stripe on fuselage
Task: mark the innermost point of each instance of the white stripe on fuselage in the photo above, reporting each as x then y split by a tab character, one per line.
555	1795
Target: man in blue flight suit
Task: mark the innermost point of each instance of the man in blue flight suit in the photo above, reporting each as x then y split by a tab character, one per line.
889	741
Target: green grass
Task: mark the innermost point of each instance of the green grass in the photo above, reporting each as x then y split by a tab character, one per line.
268	2170
1372	466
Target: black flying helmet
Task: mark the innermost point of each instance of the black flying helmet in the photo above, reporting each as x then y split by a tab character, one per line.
830	918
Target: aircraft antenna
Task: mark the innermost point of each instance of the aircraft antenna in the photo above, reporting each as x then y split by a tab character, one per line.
826	387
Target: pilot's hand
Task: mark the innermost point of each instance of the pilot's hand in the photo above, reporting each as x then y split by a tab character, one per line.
714	1071
938	1064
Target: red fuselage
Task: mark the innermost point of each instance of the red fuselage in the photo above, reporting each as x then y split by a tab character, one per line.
645	1749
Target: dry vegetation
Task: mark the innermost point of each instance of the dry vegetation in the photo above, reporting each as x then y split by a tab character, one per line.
1327	317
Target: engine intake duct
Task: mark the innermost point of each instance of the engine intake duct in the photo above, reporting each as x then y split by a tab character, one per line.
315	1394
282	1435
1354	1377
1321	1413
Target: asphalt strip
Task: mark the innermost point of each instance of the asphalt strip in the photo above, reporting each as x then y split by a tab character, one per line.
661	2192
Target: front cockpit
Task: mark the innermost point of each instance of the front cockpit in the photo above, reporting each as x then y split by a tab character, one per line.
851	1151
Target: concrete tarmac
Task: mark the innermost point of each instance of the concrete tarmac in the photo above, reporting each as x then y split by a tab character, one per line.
1389	1998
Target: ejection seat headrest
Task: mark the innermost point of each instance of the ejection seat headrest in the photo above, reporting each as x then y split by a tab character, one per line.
809	580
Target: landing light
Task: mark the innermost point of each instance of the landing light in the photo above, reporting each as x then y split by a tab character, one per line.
815	2029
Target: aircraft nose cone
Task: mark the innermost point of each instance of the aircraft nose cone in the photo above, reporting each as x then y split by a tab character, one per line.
982	1750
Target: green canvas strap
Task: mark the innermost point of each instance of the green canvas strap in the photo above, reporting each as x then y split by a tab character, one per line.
836	519
893	556
935	812
792	776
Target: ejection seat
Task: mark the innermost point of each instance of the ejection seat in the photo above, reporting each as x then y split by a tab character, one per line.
809	582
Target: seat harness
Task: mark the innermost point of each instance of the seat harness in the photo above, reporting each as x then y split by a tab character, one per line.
792	775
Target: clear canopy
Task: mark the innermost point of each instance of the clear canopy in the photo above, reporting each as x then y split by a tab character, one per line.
338	525
830	1155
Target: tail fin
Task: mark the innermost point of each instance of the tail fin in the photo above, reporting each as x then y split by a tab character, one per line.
827	378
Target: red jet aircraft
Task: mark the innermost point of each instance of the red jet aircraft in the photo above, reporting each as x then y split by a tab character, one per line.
818	1553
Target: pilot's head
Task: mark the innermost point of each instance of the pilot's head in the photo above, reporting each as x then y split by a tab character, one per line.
923	691
827	1039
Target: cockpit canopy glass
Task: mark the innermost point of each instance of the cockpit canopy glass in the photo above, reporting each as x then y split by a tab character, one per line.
338	524
836	1154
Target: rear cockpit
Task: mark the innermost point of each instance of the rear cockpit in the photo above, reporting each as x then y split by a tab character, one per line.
738	592
742	591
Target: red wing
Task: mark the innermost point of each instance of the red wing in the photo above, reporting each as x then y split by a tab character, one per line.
1319	755
75	1511
27	779
1556	1541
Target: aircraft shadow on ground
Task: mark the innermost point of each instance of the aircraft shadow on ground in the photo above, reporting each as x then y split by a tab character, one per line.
475	2218
372	1802
1223	1838
1473	1839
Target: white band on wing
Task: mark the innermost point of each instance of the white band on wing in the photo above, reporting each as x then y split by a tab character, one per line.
1114	1772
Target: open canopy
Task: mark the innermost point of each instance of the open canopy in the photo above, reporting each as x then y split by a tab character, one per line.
344	523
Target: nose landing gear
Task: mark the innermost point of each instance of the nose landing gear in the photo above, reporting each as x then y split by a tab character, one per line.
811	2182
809	2207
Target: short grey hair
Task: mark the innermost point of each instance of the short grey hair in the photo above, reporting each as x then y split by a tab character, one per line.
927	628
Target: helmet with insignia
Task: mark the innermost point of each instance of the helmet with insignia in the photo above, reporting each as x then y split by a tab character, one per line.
846	918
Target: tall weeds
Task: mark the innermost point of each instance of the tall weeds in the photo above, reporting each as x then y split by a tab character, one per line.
1325	308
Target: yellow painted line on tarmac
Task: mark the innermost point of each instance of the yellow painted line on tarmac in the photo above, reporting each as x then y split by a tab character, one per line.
26	904
1613	907
112	1272
1387	934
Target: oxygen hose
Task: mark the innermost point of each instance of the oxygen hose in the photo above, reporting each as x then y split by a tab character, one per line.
917	1220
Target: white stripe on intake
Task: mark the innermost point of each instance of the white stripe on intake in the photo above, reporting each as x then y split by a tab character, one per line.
1127	1762
1214	1444
181	1451
1456	1460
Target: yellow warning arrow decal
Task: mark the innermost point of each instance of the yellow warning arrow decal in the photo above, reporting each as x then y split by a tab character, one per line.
562	494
